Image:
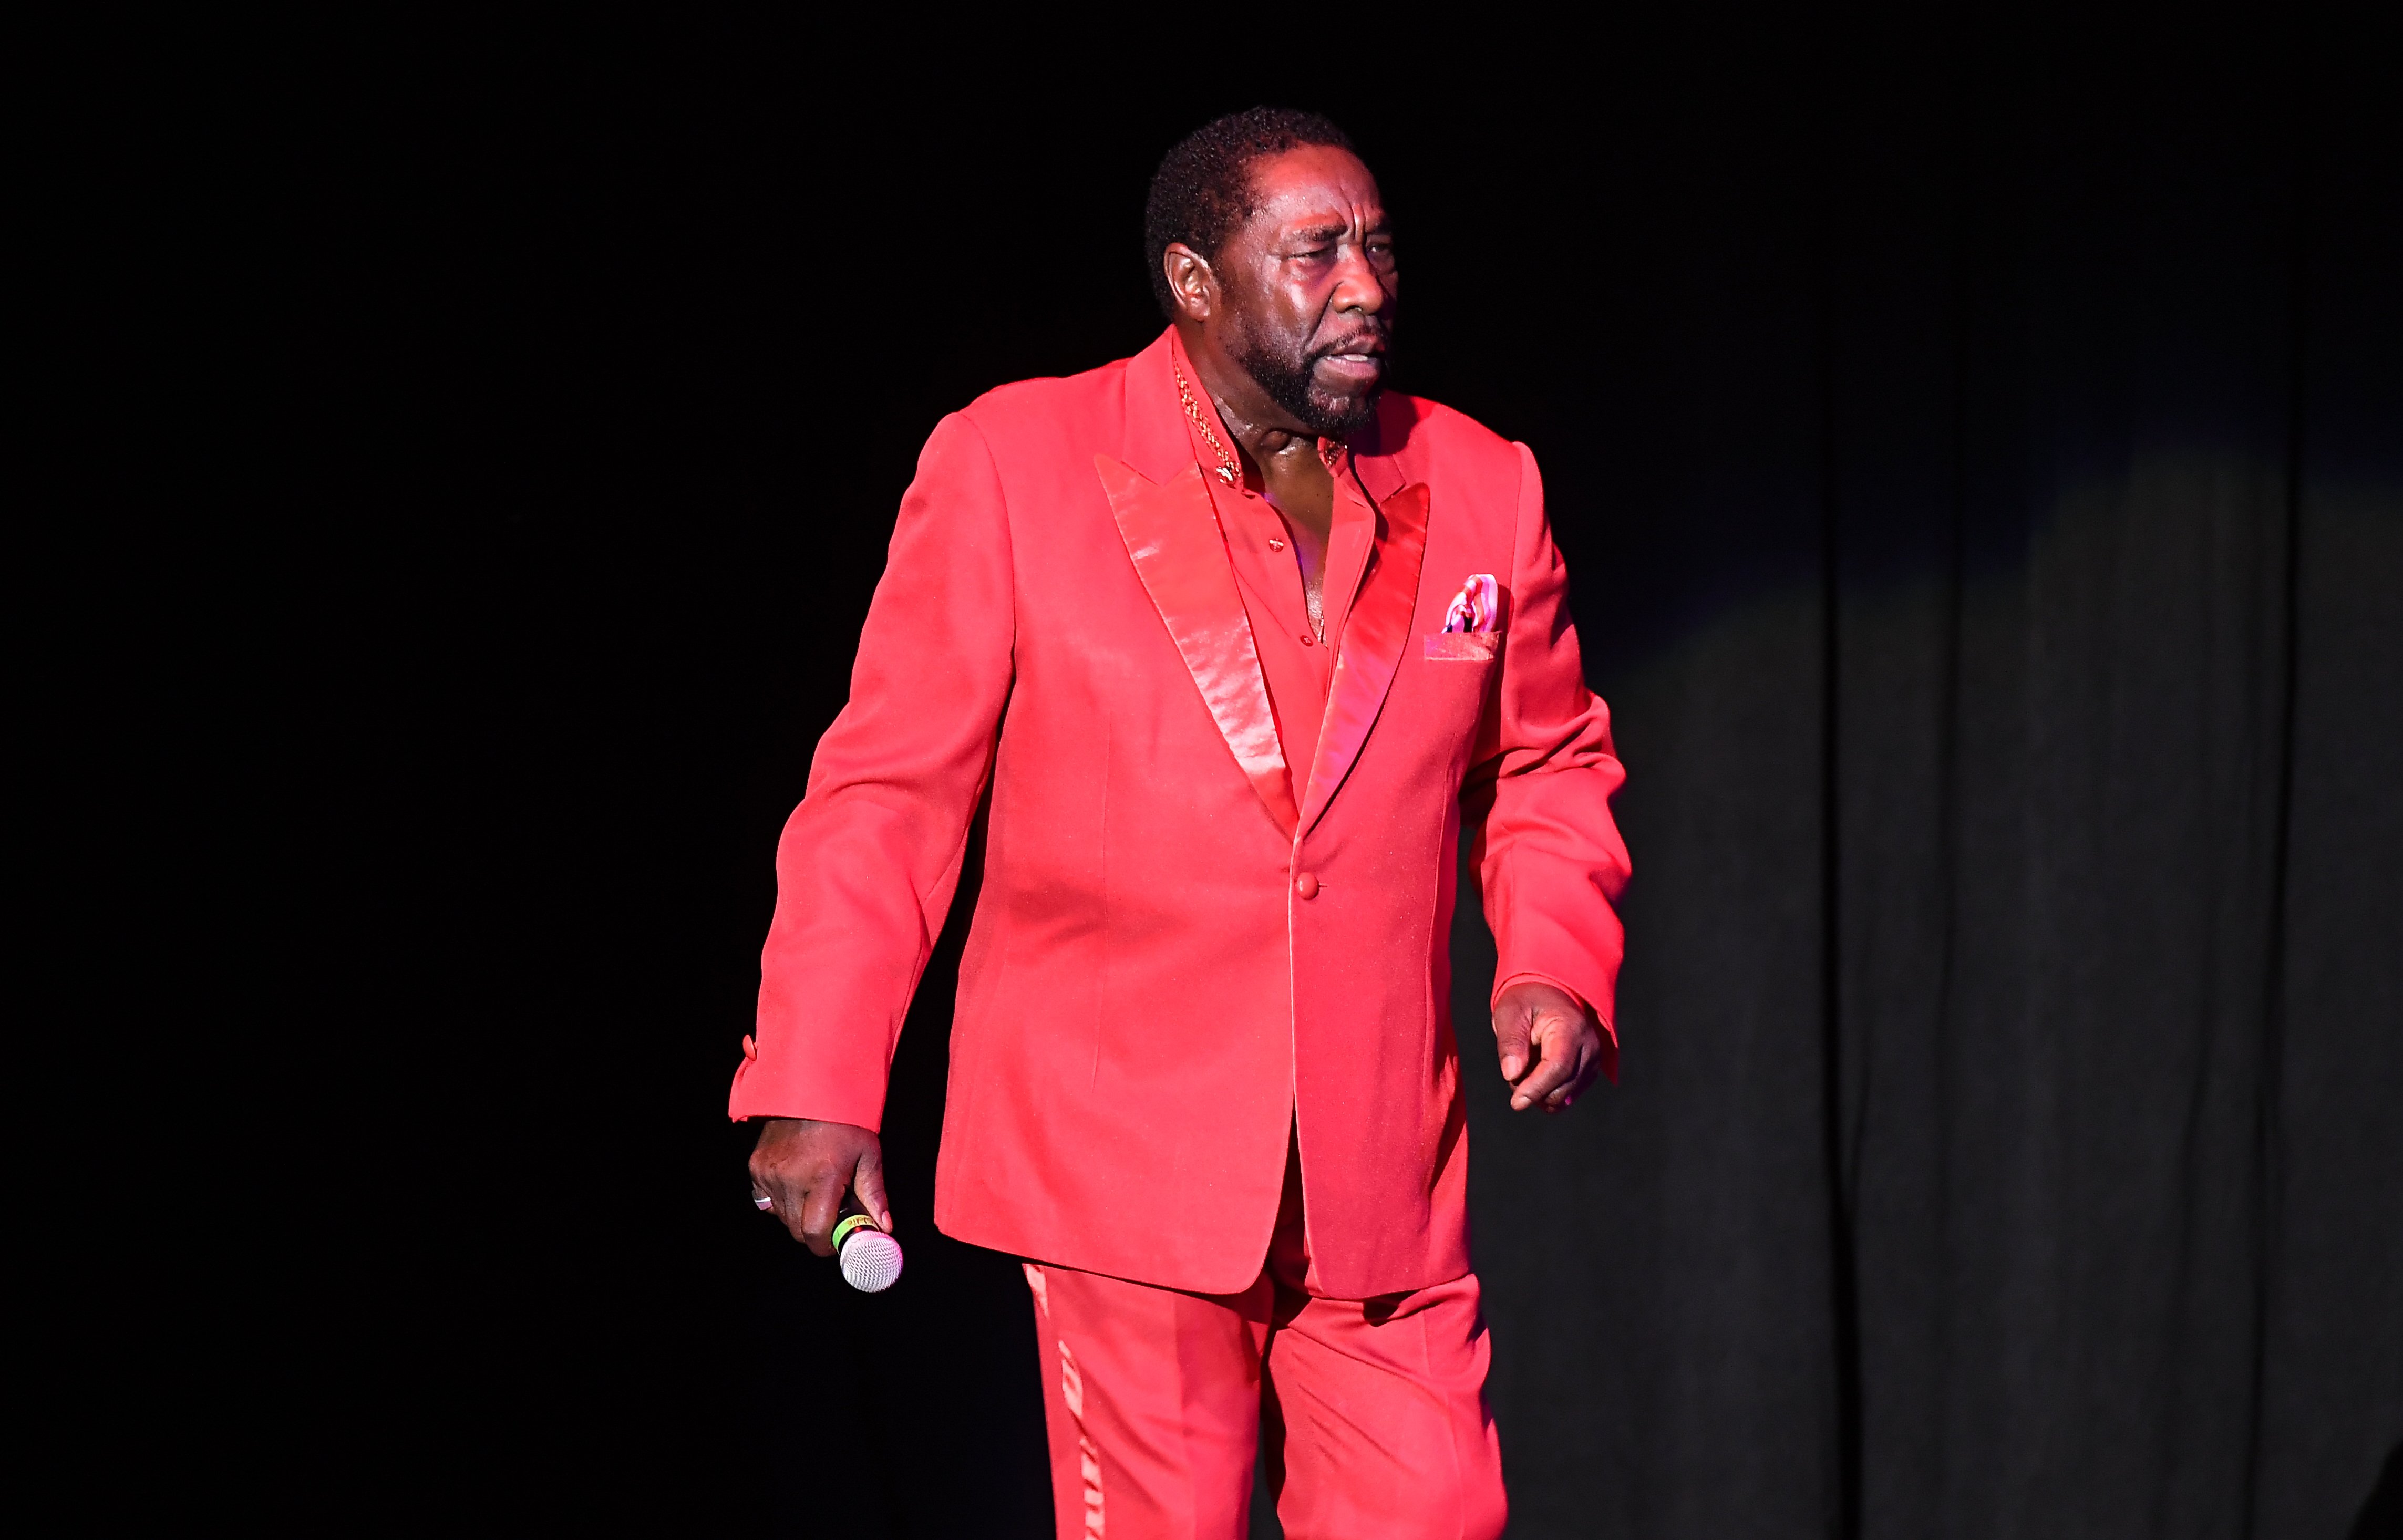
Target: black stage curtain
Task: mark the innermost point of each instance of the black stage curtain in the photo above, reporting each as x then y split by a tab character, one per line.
1975	447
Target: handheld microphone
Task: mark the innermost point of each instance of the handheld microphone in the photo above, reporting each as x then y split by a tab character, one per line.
871	1260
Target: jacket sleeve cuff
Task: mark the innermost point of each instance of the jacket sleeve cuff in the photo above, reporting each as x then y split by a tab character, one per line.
761	1092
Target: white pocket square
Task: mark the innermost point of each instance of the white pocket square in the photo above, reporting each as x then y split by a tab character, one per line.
1471	624
1475	607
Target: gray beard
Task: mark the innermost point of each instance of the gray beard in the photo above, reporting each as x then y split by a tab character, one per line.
1289	385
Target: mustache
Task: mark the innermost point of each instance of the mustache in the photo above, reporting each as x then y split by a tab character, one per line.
1375	340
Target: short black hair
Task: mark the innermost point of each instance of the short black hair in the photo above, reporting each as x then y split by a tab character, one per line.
1203	189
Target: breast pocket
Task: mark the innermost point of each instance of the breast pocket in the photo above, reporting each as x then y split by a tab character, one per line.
1451	693
1463	646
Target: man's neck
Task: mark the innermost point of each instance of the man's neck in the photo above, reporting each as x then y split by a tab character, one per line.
1265	431
1281	455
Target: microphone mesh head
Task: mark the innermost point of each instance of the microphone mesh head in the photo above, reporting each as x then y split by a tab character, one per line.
871	1261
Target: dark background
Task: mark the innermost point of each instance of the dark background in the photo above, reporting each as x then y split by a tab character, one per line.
1975	445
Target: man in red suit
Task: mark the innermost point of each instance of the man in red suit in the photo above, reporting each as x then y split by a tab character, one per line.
1239	648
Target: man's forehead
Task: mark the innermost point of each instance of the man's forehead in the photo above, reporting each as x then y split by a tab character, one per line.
1314	186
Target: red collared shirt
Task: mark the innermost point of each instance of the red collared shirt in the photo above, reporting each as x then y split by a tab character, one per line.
1268	575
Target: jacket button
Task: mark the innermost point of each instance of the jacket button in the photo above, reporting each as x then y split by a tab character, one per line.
1306	885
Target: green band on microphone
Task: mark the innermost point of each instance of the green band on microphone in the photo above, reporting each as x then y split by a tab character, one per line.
856	1221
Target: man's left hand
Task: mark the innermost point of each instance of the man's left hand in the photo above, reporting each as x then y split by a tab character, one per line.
1551	1049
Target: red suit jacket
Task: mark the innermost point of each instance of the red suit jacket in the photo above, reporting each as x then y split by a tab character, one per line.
1186	946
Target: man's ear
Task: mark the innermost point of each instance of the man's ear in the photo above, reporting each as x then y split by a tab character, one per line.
1190	283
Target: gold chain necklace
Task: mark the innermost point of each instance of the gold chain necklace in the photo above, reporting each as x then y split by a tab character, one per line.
1233	476
1226	466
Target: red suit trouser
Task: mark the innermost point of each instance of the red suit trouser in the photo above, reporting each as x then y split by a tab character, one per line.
1375	1409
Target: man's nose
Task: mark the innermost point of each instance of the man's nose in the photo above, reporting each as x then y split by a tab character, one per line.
1357	286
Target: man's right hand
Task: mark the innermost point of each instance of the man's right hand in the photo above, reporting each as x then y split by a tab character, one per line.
803	1166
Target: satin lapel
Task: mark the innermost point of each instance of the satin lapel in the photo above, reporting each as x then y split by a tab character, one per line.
1172	535
1374	637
